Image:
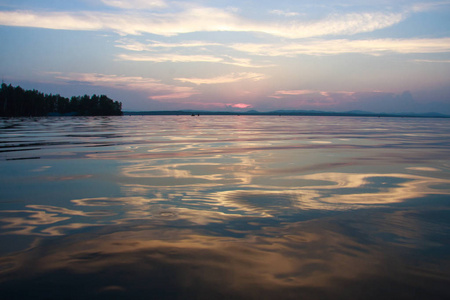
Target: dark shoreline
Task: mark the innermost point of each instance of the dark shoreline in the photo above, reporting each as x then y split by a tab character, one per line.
282	113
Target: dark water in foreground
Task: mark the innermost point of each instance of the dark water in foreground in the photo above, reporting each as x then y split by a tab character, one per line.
224	207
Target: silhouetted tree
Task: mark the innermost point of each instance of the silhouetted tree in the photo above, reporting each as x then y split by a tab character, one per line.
63	105
15	101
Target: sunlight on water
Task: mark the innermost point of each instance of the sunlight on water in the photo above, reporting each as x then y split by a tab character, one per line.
241	207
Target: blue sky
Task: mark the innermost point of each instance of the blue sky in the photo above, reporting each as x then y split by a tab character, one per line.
381	56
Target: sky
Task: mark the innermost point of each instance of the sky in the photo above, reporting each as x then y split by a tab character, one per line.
374	55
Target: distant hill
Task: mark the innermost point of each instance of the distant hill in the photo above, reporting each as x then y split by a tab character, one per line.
17	102
354	113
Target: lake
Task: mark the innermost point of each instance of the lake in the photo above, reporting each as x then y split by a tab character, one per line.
224	207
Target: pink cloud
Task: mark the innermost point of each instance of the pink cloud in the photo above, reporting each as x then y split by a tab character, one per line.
240	105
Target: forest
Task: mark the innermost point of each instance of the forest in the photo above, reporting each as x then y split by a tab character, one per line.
17	102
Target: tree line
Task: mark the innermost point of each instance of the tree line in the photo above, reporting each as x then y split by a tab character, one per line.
17	102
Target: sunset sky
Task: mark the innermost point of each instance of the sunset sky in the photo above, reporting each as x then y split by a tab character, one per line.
373	55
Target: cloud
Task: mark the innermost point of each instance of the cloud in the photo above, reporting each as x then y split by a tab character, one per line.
131	45
292	93
339	46
169	58
175	95
196	19
240	105
373	101
152	86
156	53
283	13
135	4
244	62
427	6
187	58
380	102
288	93
433	61
347	24
313	99
234	77
52	20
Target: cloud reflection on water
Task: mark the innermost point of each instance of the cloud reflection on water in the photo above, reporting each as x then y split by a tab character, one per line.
39	219
316	259
199	205
235	184
250	208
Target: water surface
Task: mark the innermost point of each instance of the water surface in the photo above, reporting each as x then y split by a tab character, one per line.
224	207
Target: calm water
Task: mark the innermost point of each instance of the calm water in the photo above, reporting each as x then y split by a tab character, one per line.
224	207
